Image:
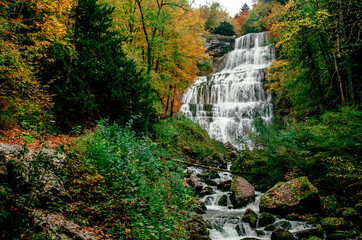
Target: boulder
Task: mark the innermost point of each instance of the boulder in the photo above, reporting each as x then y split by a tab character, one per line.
283	224
223	201
42	169
242	192
250	217
266	219
297	195
224	186
281	234
308	233
195	183
206	191
331	224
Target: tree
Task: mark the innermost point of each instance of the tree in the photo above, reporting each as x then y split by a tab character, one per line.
321	60
225	28
214	14
163	37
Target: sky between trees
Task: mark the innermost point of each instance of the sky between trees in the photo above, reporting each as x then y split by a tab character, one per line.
232	6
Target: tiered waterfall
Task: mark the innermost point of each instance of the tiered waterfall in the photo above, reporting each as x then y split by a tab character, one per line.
226	103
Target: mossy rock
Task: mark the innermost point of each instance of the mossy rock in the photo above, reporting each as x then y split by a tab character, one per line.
223	201
206	191
281	234
266	219
250	217
351	214
329	205
308	233
358	207
295	196
283	224
242	192
331	224
224	186
337	236
269	228
315	238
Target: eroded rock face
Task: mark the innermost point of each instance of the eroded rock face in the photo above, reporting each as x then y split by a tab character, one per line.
242	192
218	46
43	167
297	195
52	222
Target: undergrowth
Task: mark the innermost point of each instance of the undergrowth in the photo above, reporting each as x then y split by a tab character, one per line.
124	183
182	137
326	149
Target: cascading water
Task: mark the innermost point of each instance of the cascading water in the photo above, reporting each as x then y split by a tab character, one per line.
226	104
224	222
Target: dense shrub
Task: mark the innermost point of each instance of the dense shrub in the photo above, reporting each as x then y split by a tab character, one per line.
182	137
141	196
326	150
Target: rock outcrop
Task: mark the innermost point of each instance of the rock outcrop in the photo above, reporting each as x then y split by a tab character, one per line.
297	195
218	46
242	192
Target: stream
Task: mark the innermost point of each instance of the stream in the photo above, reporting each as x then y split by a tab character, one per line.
225	222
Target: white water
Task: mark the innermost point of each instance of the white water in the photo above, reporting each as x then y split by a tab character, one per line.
225	222
227	103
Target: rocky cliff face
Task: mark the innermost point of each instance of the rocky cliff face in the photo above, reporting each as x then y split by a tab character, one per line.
218	46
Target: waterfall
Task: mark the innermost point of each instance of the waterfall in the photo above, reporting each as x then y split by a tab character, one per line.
226	103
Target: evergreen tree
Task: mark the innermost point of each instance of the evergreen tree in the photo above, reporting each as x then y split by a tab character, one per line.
225	29
98	81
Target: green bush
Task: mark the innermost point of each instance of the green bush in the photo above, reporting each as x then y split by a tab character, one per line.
182	137
140	189
326	150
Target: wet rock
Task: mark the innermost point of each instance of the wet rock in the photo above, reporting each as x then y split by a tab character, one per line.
224	186
206	191
297	195
281	234
250	217
269	228
210	182
242	192
223	201
260	233
308	233
283	224
195	183
266	219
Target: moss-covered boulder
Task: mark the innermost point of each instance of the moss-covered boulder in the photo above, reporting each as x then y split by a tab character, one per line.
331	224
250	217
266	219
242	192
224	186
206	191
223	201
281	234
297	195
309	233
197	228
